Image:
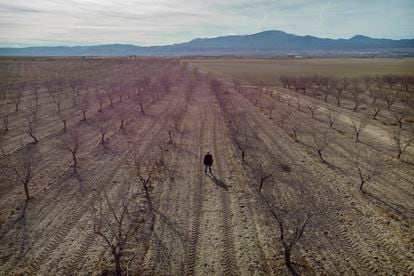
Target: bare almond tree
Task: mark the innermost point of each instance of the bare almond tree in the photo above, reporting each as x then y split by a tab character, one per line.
298	103
36	88
389	97
399	116
31	126
99	98
358	126
117	219
320	141
5	121
263	169
270	110
402	140
332	116
16	98
170	131
84	105
326	92
2	143
239	136
70	141
356	93
63	117
296	125
33	109
57	100
284	117
376	109
103	123
313	108
366	163
292	220
237	86
122	117
23	169
339	88
374	93
290	233
111	97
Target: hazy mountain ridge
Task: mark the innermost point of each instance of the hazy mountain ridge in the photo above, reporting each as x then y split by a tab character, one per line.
263	43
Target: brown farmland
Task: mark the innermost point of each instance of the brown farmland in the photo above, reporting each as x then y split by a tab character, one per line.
312	176
269	70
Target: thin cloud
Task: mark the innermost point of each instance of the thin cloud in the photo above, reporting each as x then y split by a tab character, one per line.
322	13
160	22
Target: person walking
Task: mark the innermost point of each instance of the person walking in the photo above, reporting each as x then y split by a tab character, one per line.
208	162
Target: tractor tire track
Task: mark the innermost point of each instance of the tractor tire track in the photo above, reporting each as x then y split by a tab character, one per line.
229	256
76	261
191	258
106	177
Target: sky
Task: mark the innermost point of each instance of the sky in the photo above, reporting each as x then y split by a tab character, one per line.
161	22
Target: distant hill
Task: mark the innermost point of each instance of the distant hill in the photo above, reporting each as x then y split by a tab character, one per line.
266	43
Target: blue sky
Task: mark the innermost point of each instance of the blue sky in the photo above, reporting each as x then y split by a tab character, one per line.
160	22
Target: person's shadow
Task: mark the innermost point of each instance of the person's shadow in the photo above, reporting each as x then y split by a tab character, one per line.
218	182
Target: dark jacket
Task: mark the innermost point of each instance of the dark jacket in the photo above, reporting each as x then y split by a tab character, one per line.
208	160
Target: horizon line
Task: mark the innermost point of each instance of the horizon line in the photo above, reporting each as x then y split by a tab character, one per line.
212	37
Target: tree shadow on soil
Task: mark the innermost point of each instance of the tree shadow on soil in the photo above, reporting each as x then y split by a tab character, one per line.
19	218
173	226
218	182
394	207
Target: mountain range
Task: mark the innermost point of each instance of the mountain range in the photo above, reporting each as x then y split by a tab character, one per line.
267	43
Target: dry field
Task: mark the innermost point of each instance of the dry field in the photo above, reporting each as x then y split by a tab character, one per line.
285	197
269	70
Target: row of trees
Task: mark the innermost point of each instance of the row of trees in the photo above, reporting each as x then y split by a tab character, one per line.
70	138
320	139
377	93
269	175
391	81
128	215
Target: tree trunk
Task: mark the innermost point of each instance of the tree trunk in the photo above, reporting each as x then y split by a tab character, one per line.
75	161
261	185
361	185
320	155
84	115
295	136
34	137
117	259
288	263
26	186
